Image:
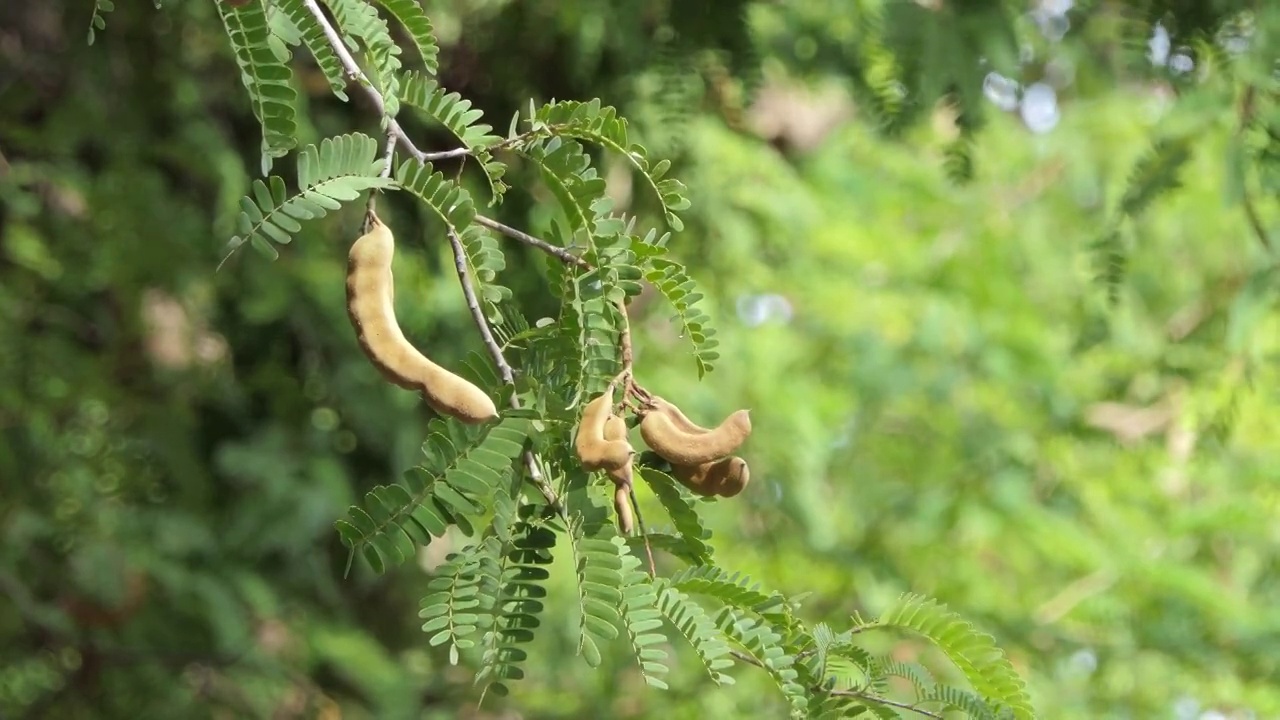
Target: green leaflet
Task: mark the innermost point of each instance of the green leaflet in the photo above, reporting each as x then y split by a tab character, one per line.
333	173
415	20
598	565
698	628
453	205
312	35
360	19
265	76
764	644
973	652
98	20
514	580
641	616
679	506
599	124
455	114
454	485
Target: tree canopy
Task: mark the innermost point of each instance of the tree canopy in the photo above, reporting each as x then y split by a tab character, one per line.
996	281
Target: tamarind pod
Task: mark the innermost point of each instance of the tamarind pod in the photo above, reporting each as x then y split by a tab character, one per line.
678	418
371	308
684	448
615	428
593	450
726	477
622	504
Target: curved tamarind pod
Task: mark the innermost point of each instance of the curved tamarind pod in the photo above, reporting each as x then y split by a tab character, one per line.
726	477
622	504
371	308
678	418
681	447
594	451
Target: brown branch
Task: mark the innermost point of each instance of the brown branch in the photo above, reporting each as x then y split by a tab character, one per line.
524	237
883	701
504	368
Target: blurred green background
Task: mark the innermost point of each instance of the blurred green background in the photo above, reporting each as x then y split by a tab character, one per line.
944	401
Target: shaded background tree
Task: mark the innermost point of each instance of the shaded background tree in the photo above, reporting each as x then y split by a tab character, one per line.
1043	396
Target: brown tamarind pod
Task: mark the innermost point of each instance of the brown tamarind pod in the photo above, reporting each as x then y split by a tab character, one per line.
678	418
593	450
681	447
371	308
622	504
615	429
726	477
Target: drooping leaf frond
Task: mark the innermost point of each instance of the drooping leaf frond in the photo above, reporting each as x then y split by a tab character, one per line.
598	563
516	584
455	113
265	76
98	20
641	617
454	609
312	35
360	19
452	486
966	702
415	20
601	125
972	651
453	205
764	644
693	535
566	169
735	590
334	172
698	628
1155	173
672	280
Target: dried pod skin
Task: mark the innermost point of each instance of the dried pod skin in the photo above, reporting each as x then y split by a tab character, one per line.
725	478
593	450
622	504
371	308
680	447
615	429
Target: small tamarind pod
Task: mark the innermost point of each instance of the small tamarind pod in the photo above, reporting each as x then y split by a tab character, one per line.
622	504
593	450
726	477
371	308
615	429
681	447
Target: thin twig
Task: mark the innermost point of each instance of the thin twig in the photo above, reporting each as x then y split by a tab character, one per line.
504	368
885	701
648	551
386	172
527	239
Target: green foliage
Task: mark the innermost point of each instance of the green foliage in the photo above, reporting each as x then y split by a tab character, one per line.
334	172
266	77
456	114
415	20
98	20
935	396
359	19
312	35
974	652
464	470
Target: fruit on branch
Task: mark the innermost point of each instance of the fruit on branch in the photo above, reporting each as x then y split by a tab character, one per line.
602	445
371	307
622	504
726	477
680	442
595	452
